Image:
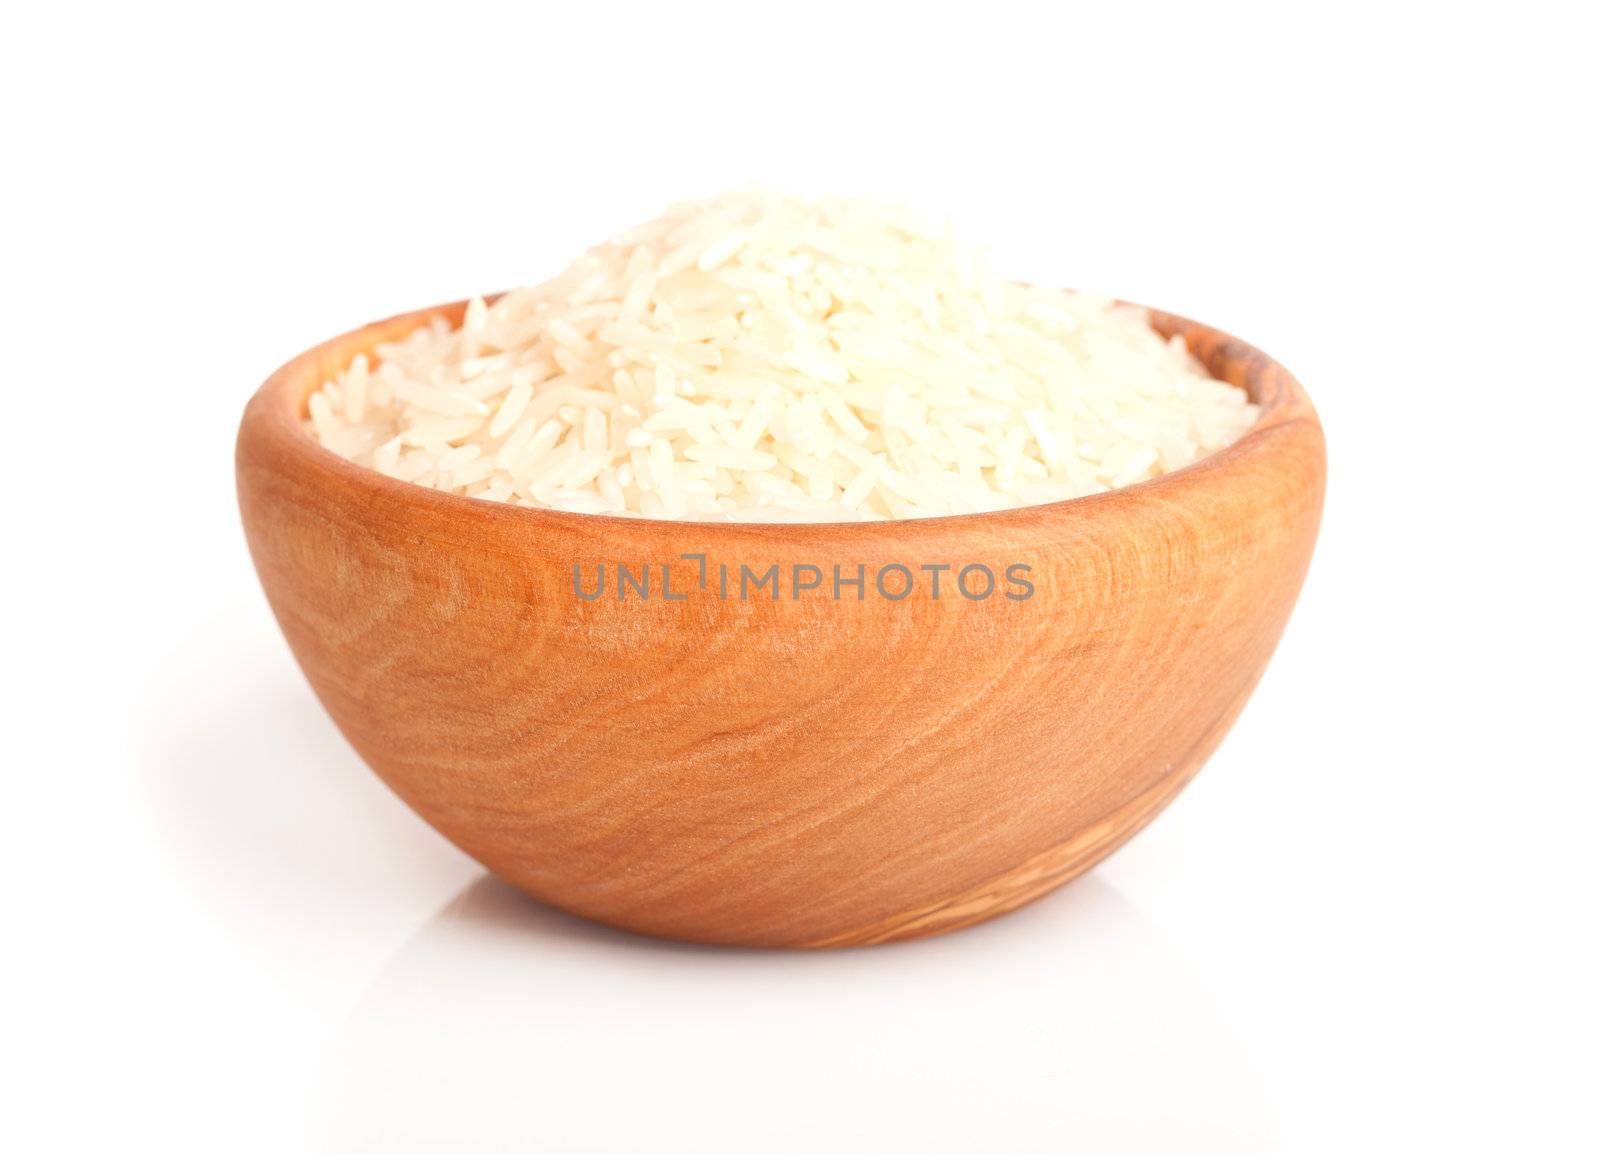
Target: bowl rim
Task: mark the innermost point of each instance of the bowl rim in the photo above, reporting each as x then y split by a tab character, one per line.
274	419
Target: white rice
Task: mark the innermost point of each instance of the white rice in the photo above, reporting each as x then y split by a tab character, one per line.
758	358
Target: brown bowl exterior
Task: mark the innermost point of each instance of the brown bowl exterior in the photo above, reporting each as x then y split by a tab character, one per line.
784	772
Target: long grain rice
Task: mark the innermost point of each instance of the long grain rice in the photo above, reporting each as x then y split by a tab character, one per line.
760	357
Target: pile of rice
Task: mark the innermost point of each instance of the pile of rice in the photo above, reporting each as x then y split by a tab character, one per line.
758	357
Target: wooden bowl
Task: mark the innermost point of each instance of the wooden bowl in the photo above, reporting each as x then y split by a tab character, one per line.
789	772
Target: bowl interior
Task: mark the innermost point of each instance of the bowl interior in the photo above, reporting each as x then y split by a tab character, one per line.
285	396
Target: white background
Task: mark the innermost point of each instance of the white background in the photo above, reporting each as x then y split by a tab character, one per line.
1370	924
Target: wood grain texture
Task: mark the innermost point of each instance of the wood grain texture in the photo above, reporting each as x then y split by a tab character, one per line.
790	772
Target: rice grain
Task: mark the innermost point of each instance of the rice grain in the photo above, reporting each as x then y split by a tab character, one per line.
780	360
